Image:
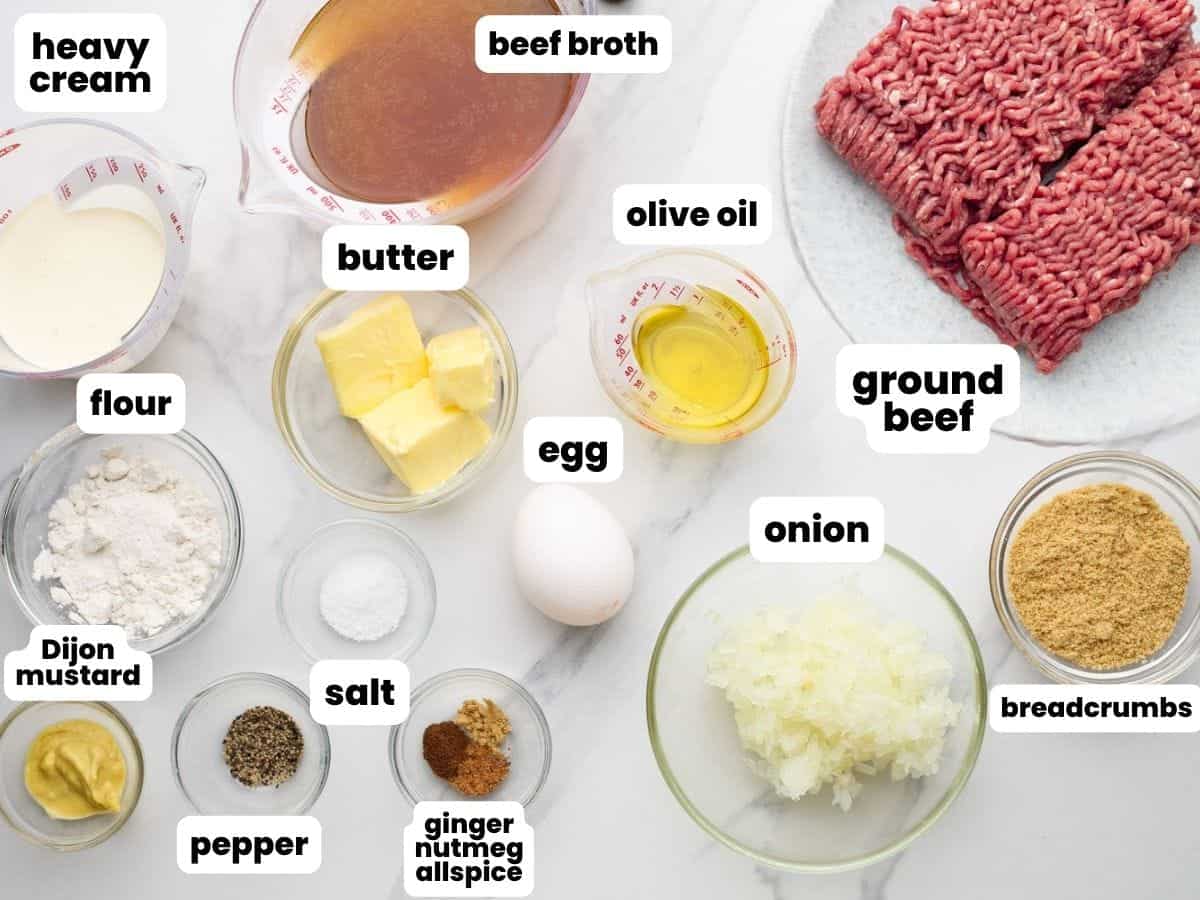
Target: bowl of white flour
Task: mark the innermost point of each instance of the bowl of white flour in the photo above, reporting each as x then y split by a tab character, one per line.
140	531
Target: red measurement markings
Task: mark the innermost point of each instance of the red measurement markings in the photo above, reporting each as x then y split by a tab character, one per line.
287	93
778	352
390	217
4	134
161	188
330	203
90	171
178	227
4	151
413	214
286	161
366	215
5	216
64	191
749	288
139	167
113	166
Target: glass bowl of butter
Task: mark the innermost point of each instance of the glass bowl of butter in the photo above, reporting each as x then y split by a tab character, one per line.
46	795
395	402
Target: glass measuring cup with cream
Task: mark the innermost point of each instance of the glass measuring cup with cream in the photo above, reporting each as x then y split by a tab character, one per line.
95	235
375	111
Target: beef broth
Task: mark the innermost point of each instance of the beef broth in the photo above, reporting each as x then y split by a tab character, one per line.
399	112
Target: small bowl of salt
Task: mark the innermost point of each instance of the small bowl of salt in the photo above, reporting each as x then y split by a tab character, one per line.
357	589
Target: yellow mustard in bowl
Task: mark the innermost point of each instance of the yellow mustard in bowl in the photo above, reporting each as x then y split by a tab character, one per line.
74	769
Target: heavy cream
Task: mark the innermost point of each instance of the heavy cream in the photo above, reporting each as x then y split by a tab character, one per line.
74	282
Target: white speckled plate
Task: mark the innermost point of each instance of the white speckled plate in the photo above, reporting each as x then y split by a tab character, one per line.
1137	372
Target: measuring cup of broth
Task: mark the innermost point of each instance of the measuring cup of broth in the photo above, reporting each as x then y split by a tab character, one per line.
81	165
373	111
691	345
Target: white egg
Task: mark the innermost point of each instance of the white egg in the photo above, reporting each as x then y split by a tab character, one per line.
573	560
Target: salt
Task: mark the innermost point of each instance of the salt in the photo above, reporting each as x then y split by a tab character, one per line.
364	597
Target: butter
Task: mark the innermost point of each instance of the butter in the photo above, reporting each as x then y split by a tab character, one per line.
74	769
424	443
373	354
462	366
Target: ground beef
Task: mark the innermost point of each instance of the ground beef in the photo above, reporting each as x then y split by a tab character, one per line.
1088	243
956	112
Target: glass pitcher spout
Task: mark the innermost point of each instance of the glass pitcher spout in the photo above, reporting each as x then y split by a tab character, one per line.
258	193
190	182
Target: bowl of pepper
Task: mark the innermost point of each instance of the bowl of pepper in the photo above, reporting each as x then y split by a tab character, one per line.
471	734
247	745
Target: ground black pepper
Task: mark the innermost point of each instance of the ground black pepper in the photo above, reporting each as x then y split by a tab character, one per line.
263	747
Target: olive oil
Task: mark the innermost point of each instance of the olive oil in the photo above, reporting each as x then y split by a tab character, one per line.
705	358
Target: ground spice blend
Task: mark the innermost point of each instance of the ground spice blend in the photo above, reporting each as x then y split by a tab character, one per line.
481	772
263	747
484	722
466	752
444	745
1099	576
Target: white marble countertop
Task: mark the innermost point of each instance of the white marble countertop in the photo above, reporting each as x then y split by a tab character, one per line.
1103	817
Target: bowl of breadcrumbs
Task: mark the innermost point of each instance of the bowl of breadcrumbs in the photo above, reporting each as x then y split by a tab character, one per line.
1091	570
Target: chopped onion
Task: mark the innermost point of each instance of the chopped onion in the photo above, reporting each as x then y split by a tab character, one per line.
831	693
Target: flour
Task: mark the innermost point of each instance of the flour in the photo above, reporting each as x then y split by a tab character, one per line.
363	597
132	544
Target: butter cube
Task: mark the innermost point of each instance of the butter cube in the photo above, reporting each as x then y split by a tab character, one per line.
423	442
462	366
374	353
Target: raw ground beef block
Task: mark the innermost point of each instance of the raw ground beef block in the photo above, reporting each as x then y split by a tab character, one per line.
955	111
1120	212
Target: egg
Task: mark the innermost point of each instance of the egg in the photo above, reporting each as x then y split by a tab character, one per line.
572	559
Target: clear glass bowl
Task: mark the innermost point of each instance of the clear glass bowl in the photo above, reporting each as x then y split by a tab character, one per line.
61	462
24	814
300	591
270	97
332	448
1177	496
199	765
696	744
437	700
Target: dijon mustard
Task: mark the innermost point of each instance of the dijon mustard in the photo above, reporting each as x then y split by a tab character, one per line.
74	769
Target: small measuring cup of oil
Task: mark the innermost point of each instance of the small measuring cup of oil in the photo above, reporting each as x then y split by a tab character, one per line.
84	164
691	344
